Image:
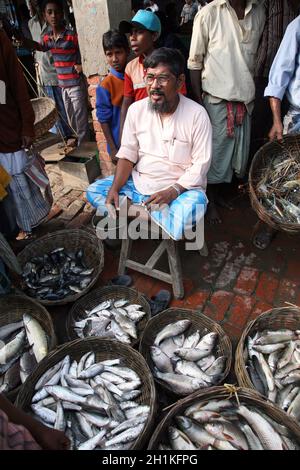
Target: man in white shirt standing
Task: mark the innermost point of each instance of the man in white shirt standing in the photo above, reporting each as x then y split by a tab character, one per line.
225	39
165	152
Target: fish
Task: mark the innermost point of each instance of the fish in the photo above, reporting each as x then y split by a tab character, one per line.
180	384
12	349
172	329
198	434
93	442
160	359
125	436
7	330
36	337
170	345
179	440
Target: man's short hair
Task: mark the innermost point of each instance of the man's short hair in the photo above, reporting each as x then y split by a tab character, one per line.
113	38
56	2
173	58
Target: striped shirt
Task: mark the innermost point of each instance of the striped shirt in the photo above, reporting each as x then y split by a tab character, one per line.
66	54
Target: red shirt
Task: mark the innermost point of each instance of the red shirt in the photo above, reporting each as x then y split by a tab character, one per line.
135	86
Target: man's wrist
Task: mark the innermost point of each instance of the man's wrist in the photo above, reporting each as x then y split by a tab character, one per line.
177	188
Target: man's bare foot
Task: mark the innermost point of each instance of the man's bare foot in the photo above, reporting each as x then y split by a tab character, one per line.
220	201
212	215
72	142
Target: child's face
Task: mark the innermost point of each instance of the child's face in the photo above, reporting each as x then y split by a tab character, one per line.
117	58
141	41
53	15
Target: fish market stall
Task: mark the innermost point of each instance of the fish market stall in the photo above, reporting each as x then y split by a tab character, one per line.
61	267
186	351
114	312
26	336
268	358
274	182
99	392
225	418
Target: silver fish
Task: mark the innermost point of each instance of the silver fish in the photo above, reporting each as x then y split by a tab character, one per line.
126	436
179	440
160	359
93	442
7	330
172	329
36	337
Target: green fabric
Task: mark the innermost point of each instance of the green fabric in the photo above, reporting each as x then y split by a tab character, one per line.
230	155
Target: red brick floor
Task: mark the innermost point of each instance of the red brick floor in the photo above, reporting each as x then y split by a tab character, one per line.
233	285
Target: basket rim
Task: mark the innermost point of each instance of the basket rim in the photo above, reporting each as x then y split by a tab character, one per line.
99	292
262	213
97	243
185	312
239	365
221	392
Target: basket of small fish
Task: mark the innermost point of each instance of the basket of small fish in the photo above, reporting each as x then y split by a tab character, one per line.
99	392
113	312
186	351
26	337
62	266
268	358
225	418
274	183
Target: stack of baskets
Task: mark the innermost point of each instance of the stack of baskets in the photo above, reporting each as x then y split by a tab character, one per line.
45	115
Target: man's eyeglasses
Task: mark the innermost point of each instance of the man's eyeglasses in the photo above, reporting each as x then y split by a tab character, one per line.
161	79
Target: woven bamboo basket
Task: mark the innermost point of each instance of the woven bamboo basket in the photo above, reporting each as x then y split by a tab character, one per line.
198	322
12	308
72	240
45	115
97	296
104	349
274	319
246	396
265	155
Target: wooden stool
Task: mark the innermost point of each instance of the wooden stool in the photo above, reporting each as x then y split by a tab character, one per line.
169	245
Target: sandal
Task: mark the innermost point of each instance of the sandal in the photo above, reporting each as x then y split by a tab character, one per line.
263	236
122	280
160	302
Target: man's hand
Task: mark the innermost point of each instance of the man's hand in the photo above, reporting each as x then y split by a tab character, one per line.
276	133
52	439
78	68
162	197
26	142
112	200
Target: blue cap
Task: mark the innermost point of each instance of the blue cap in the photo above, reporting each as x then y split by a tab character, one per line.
143	19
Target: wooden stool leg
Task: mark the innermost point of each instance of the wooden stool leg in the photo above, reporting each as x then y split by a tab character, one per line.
175	269
124	254
204	250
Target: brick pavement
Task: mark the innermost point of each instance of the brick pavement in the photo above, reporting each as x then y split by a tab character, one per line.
233	285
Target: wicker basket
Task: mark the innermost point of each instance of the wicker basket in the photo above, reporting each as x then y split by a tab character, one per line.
104	349
72	240
199	322
265	155
274	319
220	393
45	115
12	308
97	296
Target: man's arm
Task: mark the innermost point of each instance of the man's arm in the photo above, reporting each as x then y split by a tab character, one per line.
19	89
104	113
276	132
281	74
124	170
47	438
198	50
127	101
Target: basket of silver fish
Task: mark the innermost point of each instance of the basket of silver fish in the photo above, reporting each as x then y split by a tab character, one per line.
274	183
26	337
186	351
268	358
99	392
225	418
62	266
114	312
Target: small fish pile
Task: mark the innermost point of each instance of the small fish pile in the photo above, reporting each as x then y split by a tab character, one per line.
57	275
186	363
223	425
93	403
279	188
112	318
273	363
25	344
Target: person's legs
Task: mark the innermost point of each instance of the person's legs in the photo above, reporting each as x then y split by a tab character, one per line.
69	109
62	122
78	99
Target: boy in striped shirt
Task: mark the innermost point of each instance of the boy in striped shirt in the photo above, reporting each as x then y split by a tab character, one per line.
63	44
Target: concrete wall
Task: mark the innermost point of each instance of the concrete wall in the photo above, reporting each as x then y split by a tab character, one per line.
93	18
